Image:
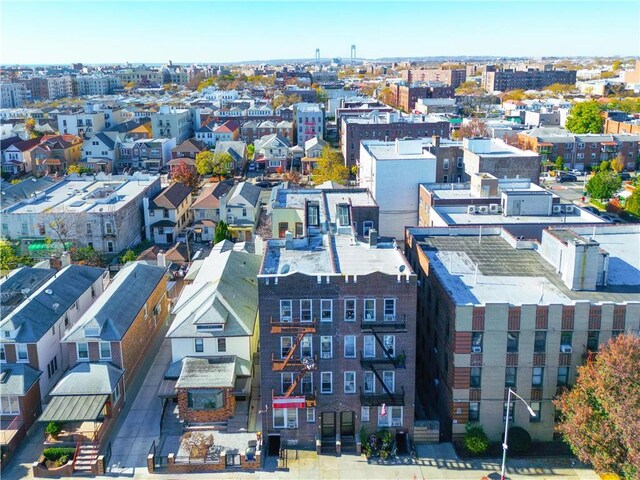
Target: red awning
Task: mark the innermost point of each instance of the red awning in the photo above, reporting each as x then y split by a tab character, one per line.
289	402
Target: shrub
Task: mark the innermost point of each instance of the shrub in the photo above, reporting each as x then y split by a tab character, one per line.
58	454
614	206
475	439
519	439
53	429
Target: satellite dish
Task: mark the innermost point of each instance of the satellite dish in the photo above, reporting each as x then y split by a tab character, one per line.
48	291
402	268
285	269
55	307
25	291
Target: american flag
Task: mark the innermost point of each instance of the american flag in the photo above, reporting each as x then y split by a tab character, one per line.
383	411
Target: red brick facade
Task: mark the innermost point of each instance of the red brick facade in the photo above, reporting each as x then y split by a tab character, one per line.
205	416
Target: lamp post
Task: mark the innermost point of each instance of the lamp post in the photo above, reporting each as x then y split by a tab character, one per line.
506	429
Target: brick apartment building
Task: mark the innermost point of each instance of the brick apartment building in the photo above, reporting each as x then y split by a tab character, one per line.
582	151
452	77
406	96
487	324
337	333
531	79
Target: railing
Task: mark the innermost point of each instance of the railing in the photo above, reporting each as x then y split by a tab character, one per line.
6	434
297	326
75	454
395	326
398	361
107	455
377	399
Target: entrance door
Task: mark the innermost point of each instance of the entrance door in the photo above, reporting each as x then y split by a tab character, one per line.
169	237
347	427
273	445
328	424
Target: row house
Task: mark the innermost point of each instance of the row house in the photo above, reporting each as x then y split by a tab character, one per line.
47	154
272	153
167	213
238	152
101	151
206	210
253	130
146	154
240	209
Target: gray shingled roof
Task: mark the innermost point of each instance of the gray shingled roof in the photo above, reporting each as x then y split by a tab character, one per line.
21	279
116	309
17	378
106	139
12	194
171	197
99	378
244	192
35	317
199	372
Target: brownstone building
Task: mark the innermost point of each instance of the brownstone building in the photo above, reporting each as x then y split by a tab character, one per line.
452	77
337	325
406	96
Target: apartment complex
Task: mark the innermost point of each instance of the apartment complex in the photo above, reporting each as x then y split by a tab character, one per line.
452	77
95	85
406	96
171	122
497	312
12	95
531	79
493	156
337	327
50	88
309	122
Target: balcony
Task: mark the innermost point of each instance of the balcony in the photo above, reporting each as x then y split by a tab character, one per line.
398	361
279	364
292	326
394	325
377	399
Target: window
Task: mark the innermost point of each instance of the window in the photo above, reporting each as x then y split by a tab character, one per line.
110	247
445	164
306	384
285	346
366	226
540	341
445	179
9	405
370	309
474	411
349	382
313	213
108	228
41	229
369	346
389	342
565	339
22	352
326	347
592	340
306	347
369	382
350	346
476	377
299	231
537	409
105	350
199	345
285	310
350	310
510	377
537	376
326	382
165	213
326	310
343	215
3	356
52	367
512	341
476	342
563	376
210	399
305	310
511	407
116	393
389	379
286	380
389	309
285	418
222	345
311	415
364	414
82	350
460	162
392	417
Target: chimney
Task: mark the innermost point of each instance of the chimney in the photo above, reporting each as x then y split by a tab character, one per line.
55	262
435	140
288	240
162	260
65	259
373	238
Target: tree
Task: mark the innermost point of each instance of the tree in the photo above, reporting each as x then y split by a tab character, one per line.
603	185
387	97
87	256
601	413
513	95
330	167
560	88
604	166
210	163
559	163
251	149
474	128
322	95
222	232
9	259
468	88
285	100
632	205
63	226
616	65
475	439
186	174
617	164
129	256
585	117
78	169
606	74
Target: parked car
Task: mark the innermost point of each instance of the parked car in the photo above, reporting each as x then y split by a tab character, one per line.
624	176
577	173
252	167
566	177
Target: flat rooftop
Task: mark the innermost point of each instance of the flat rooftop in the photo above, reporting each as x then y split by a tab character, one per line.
387	151
455	191
289	198
523	276
454	215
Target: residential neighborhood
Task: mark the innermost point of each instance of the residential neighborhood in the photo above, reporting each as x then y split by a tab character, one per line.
410	254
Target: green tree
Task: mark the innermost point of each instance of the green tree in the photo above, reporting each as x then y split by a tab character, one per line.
632	205
468	88
600	415
475	439
322	95
560	88
617	164
9	259
129	256
585	117
210	163
222	232
330	167
251	149
603	185
559	163
87	256
616	65
604	166
79	169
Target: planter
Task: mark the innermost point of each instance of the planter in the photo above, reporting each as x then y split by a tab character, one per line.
41	470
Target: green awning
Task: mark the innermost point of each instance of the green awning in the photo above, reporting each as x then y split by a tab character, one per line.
42	245
455	120
74	408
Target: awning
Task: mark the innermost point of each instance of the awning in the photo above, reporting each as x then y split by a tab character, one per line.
74	408
289	402
610	144
42	245
167	389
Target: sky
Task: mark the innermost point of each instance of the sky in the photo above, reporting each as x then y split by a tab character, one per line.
210	31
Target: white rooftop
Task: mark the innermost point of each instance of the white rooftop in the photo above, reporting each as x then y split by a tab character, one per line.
458	215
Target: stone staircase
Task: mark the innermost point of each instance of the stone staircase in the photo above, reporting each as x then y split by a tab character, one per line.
349	444
87	455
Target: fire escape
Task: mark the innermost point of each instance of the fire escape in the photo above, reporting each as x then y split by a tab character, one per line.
301	364
309	129
389	357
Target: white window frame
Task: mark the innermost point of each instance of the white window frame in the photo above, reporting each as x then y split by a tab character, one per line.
100	349
389	317
307	341
198	342
445	164
305	309
286	375
311	415
350	384
392	375
323	309
116	393
10	401
221	339
389	342
364	310
368	374
78	357
369	343
323	340
22	348
289	417
322	382
281	345
354	303
309	376
388	419
286	318
350	338
364	414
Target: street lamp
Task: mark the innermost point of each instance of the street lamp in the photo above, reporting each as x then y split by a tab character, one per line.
506	428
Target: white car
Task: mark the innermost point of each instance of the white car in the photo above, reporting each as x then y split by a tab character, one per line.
577	173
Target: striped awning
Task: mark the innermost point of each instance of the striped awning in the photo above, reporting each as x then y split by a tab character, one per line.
289	402
74	408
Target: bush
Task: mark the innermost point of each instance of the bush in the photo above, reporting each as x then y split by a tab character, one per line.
519	440
53	428
58	454
475	439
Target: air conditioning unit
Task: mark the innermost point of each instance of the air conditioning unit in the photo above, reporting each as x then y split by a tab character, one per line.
389	318
569	209
566	348
493	208
292	424
483	209
557	209
476	349
499	208
471	209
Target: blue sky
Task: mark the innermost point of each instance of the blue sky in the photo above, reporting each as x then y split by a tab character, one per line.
220	31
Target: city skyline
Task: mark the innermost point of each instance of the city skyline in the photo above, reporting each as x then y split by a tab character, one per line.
203	32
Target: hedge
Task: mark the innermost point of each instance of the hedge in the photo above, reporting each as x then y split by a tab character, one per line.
56	453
